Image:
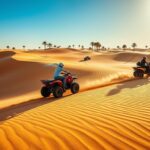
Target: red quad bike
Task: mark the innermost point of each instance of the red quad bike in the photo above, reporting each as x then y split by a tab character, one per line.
56	86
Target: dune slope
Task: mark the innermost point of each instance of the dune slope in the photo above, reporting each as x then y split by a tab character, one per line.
114	117
19	77
22	71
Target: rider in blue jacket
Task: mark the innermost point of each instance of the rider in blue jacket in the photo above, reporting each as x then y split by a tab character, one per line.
58	71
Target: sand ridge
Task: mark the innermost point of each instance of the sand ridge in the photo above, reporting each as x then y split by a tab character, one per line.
112	117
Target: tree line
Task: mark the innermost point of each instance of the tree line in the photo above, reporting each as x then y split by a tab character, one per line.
133	45
95	46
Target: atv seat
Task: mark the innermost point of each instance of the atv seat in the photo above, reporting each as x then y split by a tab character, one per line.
47	81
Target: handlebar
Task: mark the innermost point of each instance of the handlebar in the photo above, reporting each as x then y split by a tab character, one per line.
67	73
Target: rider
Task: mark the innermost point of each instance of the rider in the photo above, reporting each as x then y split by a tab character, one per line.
58	71
144	63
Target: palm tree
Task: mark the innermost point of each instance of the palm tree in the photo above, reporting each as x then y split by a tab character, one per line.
49	45
92	44
55	46
7	46
118	47
13	48
124	46
134	45
82	47
146	47
39	47
45	44
79	46
69	46
23	46
103	47
97	45
73	45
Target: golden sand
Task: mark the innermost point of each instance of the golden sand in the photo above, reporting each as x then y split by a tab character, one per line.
112	117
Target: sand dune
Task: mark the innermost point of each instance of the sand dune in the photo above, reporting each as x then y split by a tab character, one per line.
18	77
130	57
22	71
113	117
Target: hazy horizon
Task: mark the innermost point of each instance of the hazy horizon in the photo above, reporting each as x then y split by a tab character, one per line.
67	22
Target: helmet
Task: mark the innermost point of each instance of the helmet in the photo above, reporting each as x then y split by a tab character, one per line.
61	65
144	57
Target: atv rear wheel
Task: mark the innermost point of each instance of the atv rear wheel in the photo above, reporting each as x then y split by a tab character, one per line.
45	92
58	92
138	74
75	88
141	74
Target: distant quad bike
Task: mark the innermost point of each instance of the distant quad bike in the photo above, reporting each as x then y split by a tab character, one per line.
87	58
56	86
140	71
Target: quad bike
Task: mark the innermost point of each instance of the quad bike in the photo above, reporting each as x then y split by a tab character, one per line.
140	71
87	58
57	88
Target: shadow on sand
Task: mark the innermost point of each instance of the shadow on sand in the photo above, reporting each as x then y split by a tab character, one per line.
15	110
128	85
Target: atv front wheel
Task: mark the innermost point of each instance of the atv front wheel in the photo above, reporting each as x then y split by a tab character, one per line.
58	92
75	88
45	92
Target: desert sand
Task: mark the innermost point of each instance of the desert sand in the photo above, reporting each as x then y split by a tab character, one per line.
112	110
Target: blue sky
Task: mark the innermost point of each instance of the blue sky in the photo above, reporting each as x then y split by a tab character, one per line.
67	22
